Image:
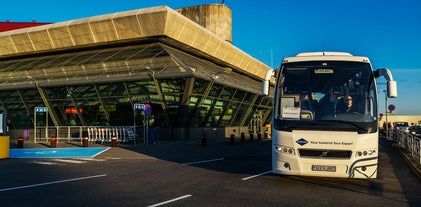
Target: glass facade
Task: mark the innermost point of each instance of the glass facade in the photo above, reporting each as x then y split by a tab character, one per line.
111	104
99	87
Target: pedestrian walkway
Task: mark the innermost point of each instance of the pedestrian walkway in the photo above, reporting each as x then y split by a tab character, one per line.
392	149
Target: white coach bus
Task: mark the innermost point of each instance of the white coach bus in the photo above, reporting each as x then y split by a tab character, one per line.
325	115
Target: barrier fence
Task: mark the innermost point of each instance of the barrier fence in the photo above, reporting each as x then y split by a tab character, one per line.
407	141
97	134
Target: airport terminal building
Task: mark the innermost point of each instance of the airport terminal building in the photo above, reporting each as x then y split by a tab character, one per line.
92	72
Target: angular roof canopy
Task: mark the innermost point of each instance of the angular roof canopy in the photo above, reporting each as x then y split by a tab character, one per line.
150	25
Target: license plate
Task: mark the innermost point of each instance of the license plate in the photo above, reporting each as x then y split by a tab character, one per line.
323	168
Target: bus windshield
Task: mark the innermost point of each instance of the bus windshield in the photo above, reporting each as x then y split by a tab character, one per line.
326	95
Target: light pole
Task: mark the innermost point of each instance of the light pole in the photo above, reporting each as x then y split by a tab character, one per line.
385	108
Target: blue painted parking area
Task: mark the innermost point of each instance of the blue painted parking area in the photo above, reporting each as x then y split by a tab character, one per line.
57	152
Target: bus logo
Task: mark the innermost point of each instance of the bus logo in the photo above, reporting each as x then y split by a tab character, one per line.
302	141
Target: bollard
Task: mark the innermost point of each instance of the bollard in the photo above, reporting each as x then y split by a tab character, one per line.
243	137
266	135
203	139
259	135
232	139
53	142
251	136
20	142
114	142
85	142
4	147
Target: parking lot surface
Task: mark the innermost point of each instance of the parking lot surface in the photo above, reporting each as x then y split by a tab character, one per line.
185	173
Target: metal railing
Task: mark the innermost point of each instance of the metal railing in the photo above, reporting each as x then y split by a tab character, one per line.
98	134
407	141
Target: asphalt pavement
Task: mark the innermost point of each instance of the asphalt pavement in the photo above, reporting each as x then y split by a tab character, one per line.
185	173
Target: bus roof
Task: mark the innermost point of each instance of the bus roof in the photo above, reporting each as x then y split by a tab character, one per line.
320	56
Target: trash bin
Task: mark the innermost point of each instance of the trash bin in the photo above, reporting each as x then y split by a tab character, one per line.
203	140
53	142
85	142
232	139
114	142
4	147
20	142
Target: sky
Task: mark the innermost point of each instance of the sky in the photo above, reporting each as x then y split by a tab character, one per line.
387	31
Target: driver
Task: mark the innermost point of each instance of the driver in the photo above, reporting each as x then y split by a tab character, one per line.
348	106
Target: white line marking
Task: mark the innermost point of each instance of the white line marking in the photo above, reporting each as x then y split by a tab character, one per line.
91	159
169	201
101	152
54	182
70	161
114	158
203	161
46	163
253	176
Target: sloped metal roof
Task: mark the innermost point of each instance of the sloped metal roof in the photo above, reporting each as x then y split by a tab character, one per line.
28	52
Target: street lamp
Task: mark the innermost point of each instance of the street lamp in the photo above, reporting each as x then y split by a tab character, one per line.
385	108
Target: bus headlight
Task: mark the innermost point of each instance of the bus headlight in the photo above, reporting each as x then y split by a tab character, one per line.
283	149
367	152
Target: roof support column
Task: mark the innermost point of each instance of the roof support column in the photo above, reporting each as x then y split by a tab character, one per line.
160	94
183	111
107	115
247	113
266	115
51	112
205	95
28	111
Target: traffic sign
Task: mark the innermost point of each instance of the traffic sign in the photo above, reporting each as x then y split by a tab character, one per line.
144	107
26	133
41	109
139	106
147	109
391	107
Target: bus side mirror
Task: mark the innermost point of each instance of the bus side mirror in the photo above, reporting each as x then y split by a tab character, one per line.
392	89
266	82
265	88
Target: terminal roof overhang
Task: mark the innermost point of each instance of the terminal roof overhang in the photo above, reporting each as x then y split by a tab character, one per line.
121	46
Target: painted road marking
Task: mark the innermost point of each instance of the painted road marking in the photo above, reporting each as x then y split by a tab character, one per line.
170	201
51	183
92	159
253	176
46	163
203	161
57	152
73	161
58	161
